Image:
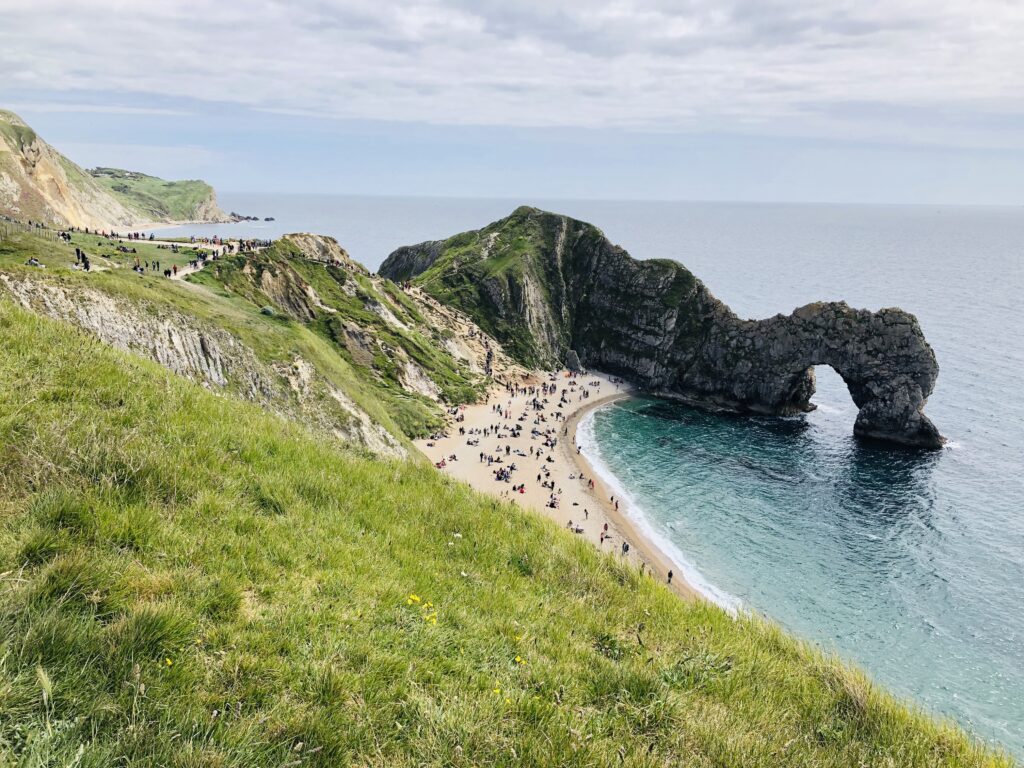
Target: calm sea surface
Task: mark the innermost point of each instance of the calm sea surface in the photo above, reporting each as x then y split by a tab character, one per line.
909	564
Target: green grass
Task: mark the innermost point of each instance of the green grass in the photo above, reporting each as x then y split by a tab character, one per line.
15	131
225	295
94	245
188	581
152	197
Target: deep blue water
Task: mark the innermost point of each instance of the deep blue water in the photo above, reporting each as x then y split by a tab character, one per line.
910	564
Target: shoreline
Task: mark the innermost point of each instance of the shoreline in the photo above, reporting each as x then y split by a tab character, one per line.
567	472
657	561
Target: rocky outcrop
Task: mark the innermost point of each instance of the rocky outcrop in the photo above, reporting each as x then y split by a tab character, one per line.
551	288
321	248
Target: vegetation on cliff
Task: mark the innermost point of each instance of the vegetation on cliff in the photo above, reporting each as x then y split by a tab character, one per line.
188	580
155	199
320	342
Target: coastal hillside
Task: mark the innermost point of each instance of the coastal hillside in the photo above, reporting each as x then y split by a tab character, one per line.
189	580
556	291
296	327
155	199
39	184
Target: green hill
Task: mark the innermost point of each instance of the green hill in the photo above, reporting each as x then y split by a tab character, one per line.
297	327
159	200
189	581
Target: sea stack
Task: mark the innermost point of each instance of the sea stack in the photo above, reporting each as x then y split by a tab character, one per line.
552	289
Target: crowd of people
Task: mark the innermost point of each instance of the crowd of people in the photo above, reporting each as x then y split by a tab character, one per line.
536	410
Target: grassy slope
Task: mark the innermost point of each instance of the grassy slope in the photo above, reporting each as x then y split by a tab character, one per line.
457	277
232	302
413	413
154	198
19	136
187	581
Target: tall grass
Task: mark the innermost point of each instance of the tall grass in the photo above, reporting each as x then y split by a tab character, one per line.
188	581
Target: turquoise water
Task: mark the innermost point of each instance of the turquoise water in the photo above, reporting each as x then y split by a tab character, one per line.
910	564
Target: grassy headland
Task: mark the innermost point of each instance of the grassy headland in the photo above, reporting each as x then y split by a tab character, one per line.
156	199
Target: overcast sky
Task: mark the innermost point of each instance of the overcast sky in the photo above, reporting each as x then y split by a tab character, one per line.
901	101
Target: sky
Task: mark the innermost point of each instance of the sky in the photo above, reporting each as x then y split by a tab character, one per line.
901	101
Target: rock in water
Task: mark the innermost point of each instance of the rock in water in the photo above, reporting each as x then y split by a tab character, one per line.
554	290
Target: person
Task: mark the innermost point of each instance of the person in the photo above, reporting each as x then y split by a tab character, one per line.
625	547
670	577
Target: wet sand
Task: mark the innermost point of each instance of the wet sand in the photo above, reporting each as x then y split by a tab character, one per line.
587	508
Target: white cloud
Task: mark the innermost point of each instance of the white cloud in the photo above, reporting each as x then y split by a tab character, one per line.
873	69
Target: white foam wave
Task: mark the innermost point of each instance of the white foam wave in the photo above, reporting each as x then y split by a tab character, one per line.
826	408
587	441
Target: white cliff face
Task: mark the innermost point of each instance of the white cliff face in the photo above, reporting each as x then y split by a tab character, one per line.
208	355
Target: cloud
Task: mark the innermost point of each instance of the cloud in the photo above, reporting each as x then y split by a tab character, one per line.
774	66
84	108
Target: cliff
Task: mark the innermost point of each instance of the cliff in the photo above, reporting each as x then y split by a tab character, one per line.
552	288
38	183
299	328
156	200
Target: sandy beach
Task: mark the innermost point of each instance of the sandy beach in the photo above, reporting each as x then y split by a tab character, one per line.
555	480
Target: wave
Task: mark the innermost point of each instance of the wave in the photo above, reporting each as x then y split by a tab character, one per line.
826	408
587	440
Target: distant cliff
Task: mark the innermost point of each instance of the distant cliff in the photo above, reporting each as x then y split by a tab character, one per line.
155	199
551	288
38	183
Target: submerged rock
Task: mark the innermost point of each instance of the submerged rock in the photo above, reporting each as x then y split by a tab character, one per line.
554	290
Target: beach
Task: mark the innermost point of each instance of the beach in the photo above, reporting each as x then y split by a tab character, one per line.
556	480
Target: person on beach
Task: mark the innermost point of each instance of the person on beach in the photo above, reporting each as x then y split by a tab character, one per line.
670	577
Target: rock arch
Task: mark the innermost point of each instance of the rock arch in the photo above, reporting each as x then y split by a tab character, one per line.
888	367
554	290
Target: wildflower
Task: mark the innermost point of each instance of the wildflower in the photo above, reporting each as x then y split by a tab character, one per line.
168	662
520	660
413	598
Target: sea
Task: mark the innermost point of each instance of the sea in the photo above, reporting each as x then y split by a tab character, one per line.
906	563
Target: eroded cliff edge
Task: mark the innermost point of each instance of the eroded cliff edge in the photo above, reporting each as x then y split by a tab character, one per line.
547	286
